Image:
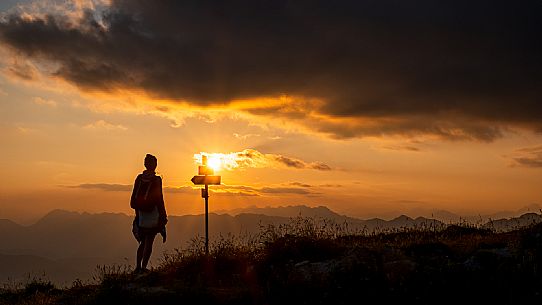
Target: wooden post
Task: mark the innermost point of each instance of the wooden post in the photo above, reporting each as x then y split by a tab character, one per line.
206	219
204	163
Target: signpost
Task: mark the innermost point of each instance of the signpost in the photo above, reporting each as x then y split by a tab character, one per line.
206	180
205	177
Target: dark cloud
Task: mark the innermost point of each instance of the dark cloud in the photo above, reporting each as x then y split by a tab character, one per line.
235	190
330	185
219	190
290	162
296	163
319	166
456	69
234	193
527	157
402	148
299	184
236	187
254	191
535	162
23	71
103	187
285	190
179	189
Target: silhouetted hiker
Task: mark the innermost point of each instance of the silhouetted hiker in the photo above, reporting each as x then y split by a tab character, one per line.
150	212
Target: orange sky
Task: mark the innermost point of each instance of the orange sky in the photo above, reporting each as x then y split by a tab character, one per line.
51	147
69	147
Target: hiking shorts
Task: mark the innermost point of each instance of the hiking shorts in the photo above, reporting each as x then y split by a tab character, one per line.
147	233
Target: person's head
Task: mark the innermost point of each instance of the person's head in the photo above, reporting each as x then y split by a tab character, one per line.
150	162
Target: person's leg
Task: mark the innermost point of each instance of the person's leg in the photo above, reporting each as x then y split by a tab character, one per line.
147	249
139	257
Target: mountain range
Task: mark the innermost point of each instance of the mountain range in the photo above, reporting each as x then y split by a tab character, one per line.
69	245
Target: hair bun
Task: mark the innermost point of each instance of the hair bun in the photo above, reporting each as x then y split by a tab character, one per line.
150	158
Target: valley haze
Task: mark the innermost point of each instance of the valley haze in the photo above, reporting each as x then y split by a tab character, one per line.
61	245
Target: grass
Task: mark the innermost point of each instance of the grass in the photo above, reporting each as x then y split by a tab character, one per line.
315	261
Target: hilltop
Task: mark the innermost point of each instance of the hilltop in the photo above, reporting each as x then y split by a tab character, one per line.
69	245
306	262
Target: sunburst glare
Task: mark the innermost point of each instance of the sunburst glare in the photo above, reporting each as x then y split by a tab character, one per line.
214	162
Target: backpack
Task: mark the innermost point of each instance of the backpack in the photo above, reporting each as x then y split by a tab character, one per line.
143	196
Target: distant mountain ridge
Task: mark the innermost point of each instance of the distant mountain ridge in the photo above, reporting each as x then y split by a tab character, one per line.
288	211
508	224
450	217
86	239
440	215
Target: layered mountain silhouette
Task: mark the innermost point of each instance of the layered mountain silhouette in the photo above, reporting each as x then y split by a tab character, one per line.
68	245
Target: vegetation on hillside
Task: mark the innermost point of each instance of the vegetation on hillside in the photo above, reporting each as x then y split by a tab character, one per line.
310	261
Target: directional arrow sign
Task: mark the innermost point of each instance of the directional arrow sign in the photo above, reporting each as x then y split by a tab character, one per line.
199	180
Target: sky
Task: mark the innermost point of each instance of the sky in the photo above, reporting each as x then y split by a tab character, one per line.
371	108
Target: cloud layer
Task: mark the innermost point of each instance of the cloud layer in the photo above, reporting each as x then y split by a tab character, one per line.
527	157
109	187
251	158
219	190
454	69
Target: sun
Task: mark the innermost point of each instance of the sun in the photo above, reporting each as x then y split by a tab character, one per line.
217	161
214	163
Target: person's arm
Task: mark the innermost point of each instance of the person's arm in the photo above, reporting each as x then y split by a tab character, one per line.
161	205
134	190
